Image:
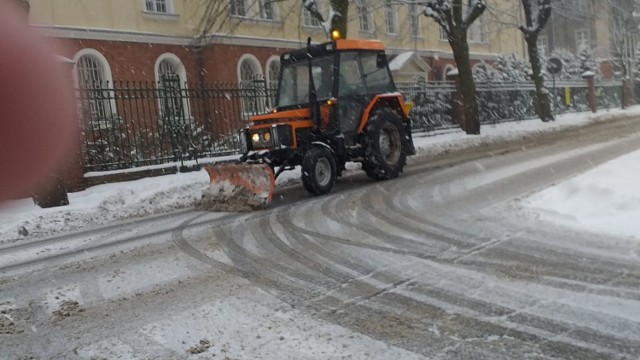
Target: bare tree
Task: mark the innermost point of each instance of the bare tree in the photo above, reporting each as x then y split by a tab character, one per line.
455	22
623	30
536	17
338	16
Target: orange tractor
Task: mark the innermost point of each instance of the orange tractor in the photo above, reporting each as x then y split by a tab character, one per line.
336	102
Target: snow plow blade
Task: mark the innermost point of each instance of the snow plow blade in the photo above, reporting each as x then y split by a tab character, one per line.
238	187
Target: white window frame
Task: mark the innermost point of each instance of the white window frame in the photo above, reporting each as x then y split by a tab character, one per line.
543	46
248	108
478	31
254	10
309	21
271	81
445	73
390	18
365	18
110	104
261	10
579	6
155	4
233	8
182	75
581	39
442	35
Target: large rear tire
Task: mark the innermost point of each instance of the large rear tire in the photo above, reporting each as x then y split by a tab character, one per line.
385	151
318	170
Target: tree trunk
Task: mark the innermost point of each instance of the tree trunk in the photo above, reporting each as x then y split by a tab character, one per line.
460	47
542	103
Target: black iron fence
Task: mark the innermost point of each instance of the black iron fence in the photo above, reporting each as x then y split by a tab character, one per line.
134	124
434	104
129	124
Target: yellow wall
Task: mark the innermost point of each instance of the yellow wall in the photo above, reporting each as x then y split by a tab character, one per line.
128	15
122	15
502	38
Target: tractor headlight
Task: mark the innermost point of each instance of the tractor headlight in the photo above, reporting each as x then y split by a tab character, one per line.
261	139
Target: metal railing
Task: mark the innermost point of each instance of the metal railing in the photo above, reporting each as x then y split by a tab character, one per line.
434	104
135	124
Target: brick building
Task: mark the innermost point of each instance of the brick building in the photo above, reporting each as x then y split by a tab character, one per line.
173	47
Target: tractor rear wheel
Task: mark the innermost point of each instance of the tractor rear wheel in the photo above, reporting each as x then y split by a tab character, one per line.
385	152
318	170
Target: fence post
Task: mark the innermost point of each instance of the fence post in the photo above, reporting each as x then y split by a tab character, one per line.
591	89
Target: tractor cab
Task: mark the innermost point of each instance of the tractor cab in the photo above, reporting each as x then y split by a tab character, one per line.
339	77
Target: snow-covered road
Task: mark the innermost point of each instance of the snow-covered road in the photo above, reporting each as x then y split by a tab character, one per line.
458	258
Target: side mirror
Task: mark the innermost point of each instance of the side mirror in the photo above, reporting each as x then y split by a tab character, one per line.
381	61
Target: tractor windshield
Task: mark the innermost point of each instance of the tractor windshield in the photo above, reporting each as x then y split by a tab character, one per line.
294	83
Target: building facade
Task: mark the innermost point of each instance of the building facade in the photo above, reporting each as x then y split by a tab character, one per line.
230	40
608	29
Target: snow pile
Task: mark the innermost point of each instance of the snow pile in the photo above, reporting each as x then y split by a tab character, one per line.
227	197
400	61
102	204
512	131
604	200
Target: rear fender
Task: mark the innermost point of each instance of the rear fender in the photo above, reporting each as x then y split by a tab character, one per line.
392	101
320	143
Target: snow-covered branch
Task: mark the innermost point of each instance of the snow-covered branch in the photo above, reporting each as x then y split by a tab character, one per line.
337	15
440	12
312	7
535	19
474	10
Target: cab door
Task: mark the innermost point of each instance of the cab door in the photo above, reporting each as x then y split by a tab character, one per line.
352	95
362	75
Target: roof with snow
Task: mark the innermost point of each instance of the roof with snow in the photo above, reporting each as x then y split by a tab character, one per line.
403	59
408	64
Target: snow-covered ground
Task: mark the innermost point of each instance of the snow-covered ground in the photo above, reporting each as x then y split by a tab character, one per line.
613	182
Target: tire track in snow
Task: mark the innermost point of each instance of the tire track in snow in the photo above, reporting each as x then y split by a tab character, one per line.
458	307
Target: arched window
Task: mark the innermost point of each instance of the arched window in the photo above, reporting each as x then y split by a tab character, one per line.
252	84
273	74
93	77
249	71
449	71
171	78
90	71
364	15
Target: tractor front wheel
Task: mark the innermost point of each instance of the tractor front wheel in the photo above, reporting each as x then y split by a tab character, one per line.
385	151
318	170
